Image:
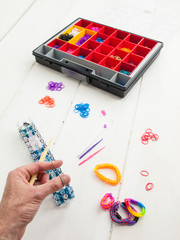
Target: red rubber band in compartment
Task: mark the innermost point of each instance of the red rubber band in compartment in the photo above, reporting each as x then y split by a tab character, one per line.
109	63
118	54
120	34
133	59
104	49
149	186
107	30
56	43
125	67
133	38
126	46
69	48
82	52
141	51
111	41
95	57
83	23
144	173
147	43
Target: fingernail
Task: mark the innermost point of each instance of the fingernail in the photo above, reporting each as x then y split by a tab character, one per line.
65	179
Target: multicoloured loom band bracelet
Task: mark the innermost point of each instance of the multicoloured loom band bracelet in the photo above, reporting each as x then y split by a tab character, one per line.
36	146
132	201
116	217
105	179
104	201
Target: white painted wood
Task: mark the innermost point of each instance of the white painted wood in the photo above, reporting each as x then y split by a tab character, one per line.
153	102
11	13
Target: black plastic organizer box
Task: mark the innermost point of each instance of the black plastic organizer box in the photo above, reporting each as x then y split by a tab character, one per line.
106	57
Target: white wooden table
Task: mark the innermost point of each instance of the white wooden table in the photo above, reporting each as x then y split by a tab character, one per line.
154	102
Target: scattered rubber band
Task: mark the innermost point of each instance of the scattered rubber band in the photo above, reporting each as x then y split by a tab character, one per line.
105	179
104	201
149	186
55	86
103	112
149	135
144	173
49	102
83	109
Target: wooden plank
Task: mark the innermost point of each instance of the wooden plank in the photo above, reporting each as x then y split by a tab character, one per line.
158	109
11	13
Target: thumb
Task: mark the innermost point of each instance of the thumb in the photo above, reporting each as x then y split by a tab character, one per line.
54	185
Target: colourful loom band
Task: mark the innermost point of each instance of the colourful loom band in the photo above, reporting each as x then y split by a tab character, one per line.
130	200
132	221
104	202
105	179
115	215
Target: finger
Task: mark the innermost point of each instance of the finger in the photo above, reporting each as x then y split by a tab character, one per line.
34	168
43	177
53	185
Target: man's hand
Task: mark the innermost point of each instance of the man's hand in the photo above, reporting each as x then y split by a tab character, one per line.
21	201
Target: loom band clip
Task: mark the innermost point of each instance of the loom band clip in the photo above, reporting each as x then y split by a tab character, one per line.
116	217
149	186
105	179
104	201
129	208
144	173
132	221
